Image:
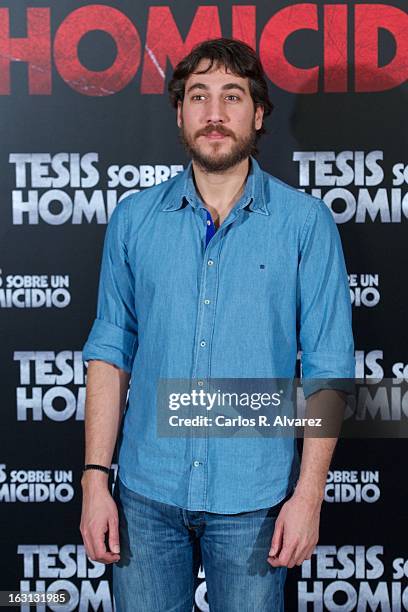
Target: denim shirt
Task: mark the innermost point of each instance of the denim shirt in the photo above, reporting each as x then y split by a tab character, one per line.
270	283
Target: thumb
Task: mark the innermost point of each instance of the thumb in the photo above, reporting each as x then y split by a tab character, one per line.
114	536
276	543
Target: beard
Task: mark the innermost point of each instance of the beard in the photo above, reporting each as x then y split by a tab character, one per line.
242	147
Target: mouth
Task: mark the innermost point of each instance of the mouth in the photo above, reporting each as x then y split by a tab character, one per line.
215	136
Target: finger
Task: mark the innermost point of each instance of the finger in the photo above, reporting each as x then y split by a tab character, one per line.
101	553
309	552
287	553
88	546
297	555
114	535
284	556
301	554
106	558
277	539
304	552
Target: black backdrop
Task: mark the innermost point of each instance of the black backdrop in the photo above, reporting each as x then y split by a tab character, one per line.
84	85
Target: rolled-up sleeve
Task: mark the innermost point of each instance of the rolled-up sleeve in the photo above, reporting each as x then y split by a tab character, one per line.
113	336
324	306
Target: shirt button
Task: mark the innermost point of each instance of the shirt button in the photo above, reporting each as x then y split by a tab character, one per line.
196	463
200	383
203	343
206	301
208	222
210	262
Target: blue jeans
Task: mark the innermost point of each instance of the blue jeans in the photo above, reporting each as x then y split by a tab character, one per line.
163	546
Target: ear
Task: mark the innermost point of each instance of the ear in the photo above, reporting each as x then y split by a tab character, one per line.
179	113
259	113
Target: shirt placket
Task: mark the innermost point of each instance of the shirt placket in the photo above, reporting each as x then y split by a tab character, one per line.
207	310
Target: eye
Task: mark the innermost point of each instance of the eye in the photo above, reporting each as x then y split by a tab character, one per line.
233	96
197	96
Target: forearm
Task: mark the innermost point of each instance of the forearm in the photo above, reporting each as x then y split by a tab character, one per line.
318	451
316	457
105	401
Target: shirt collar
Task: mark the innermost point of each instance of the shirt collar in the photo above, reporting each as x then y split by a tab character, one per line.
253	196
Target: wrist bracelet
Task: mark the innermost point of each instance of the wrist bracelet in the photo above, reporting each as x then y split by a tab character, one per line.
94	466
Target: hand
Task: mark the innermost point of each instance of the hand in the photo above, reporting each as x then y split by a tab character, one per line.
99	516
296	531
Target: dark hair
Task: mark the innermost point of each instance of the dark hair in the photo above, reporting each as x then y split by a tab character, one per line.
236	56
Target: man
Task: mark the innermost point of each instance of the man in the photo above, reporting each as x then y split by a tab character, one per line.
220	272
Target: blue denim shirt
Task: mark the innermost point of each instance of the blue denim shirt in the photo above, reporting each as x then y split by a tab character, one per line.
270	282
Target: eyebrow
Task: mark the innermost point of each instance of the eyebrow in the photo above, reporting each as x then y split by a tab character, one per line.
227	86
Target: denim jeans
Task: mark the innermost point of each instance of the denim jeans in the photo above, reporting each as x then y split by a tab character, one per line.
163	546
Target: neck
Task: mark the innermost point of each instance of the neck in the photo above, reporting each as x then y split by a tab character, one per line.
220	191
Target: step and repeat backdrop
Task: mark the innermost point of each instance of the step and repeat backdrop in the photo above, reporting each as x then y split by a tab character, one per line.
85	120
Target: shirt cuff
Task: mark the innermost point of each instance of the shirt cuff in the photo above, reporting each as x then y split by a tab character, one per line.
110	343
328	371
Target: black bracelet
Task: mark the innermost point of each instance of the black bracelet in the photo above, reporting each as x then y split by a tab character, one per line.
94	466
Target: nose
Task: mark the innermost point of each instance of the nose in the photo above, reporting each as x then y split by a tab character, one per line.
215	112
